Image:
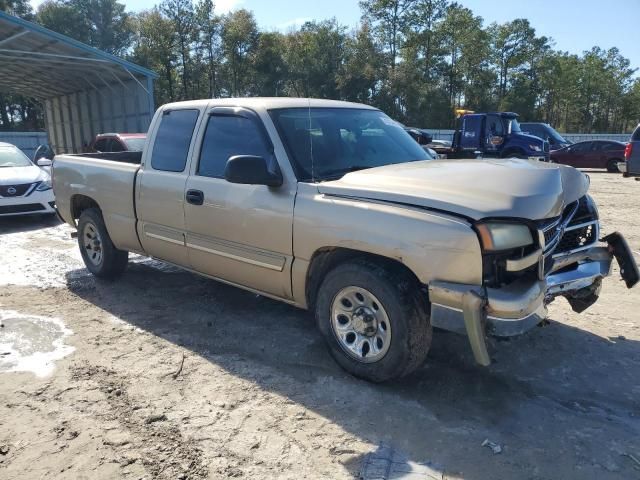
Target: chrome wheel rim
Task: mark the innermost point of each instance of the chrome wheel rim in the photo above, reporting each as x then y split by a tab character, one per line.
360	324
92	243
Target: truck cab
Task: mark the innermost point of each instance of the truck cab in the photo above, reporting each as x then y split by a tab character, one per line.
496	135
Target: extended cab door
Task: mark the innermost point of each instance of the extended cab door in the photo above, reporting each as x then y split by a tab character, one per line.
161	183
238	233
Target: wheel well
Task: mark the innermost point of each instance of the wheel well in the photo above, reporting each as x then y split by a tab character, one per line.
326	259
79	203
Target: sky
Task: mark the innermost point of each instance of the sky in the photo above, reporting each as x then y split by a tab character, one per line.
575	25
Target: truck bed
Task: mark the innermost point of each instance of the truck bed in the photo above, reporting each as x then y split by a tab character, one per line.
109	180
124	157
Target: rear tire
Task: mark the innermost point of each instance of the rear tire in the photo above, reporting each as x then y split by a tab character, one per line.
612	166
100	256
374	320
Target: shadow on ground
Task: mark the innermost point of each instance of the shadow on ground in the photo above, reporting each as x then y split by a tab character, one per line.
559	399
26	223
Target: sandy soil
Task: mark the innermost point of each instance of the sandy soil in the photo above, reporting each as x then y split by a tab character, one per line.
167	375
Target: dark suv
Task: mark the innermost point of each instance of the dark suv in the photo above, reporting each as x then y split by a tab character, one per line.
631	165
545	132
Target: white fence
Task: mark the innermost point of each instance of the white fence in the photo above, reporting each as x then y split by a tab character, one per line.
25	141
572	137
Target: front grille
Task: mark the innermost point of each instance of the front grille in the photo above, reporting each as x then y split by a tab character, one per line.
577	238
27	207
14	190
552	228
577	228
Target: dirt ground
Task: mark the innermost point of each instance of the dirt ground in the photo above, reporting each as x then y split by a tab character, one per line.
167	375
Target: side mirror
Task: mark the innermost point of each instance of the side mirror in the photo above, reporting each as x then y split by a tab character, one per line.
251	170
43	151
43	162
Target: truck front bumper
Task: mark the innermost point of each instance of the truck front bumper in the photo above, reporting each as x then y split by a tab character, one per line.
518	307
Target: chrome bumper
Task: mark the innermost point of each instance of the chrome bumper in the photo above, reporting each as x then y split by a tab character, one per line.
622	166
518	307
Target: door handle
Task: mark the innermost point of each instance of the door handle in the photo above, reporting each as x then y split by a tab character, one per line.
195	197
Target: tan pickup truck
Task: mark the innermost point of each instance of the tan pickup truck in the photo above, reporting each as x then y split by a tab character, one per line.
332	207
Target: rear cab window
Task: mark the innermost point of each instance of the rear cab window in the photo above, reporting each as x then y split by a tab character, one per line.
172	140
636	135
101	145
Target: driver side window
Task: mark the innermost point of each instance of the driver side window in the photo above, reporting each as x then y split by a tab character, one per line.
494	126
227	136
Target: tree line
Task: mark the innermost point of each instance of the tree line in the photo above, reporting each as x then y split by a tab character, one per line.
418	60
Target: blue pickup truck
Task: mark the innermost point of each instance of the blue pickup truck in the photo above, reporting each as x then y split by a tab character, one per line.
495	135
631	165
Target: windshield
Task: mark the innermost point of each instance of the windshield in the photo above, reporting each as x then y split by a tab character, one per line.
555	135
13	157
326	143
514	126
134	144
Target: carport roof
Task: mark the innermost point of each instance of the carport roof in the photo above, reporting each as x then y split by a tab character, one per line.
40	63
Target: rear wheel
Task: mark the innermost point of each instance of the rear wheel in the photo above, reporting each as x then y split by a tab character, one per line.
100	256
374	320
612	166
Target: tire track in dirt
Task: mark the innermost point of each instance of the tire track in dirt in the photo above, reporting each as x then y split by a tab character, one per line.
165	453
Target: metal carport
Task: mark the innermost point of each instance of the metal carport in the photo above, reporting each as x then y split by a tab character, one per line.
84	91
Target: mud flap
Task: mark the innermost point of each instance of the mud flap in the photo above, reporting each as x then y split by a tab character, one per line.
623	254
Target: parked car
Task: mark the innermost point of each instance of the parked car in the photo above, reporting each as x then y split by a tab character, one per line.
545	132
591	154
25	187
331	206
630	167
495	135
118	142
441	147
423	138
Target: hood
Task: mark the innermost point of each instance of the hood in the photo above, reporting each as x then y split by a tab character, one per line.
20	175
475	189
527	137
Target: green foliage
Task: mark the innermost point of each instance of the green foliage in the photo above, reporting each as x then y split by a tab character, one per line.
418	60
19	8
103	24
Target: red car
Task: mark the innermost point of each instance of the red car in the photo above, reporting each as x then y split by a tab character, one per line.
591	154
118	142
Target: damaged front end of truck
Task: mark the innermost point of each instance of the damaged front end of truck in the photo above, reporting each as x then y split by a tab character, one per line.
567	258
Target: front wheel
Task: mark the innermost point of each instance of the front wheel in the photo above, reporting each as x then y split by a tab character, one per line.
100	256
374	320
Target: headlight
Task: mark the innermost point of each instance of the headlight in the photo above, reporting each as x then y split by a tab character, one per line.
535	148
44	185
503	236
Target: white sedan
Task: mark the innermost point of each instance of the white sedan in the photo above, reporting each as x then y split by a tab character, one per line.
25	188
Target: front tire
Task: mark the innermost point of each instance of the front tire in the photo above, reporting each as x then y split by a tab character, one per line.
100	256
612	166
374	320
